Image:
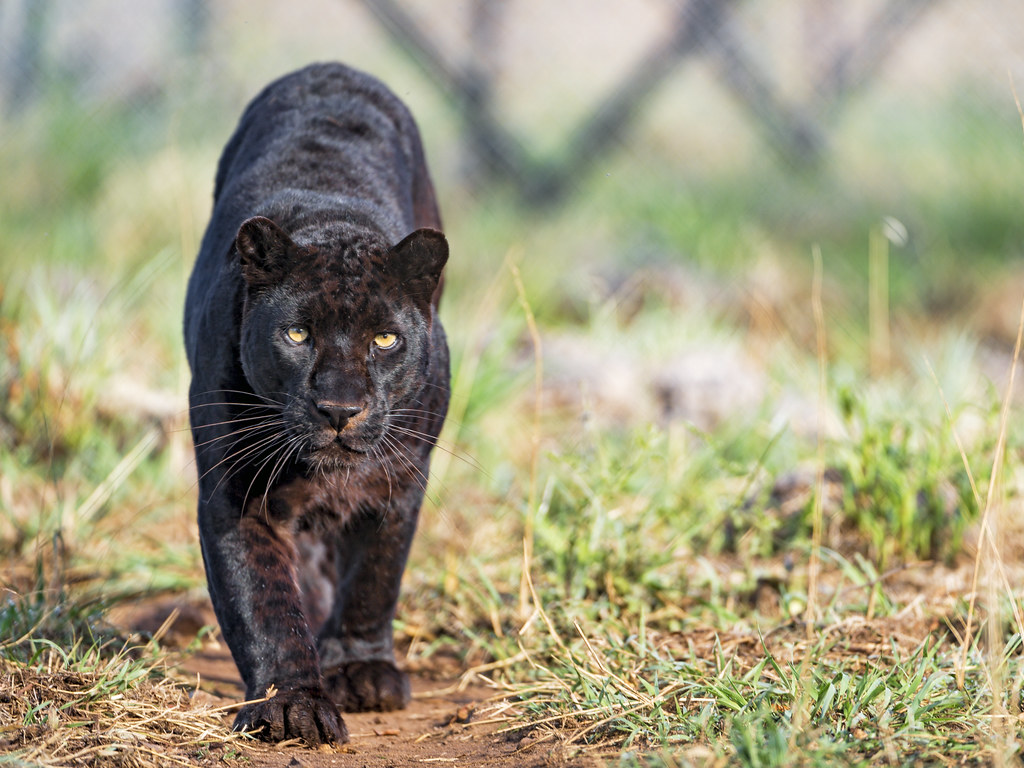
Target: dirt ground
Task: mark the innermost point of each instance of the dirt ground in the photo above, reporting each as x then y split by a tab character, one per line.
445	724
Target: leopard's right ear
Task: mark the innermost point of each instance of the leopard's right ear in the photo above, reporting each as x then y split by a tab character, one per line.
262	249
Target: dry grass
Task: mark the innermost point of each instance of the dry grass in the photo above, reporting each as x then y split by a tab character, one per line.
107	712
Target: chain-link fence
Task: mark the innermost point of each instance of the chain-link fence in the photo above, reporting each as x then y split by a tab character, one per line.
545	92
814	120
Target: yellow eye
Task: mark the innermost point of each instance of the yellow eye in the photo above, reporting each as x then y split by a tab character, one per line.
297	334
385	340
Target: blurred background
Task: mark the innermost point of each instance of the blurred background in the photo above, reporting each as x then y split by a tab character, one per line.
647	181
732	301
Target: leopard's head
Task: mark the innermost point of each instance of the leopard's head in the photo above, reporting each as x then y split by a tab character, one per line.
335	333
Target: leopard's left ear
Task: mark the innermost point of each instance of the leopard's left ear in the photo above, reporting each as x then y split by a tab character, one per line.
417	262
263	250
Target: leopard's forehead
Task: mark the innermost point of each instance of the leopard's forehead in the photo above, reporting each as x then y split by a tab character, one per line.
341	284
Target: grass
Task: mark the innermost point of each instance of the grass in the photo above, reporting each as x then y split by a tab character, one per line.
70	698
668	609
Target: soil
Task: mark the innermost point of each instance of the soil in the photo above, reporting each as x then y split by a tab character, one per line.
450	723
445	724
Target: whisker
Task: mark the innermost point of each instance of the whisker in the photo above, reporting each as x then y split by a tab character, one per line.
255	428
414	414
256	473
240	436
420	412
291	449
387	474
440	387
227	421
281	454
426	437
441	445
245	405
257	450
396	451
417	474
425	411
428	440
264	398
248	409
253	456
239	403
267	449
403	419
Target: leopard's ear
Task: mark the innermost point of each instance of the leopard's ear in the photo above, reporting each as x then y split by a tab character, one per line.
262	249
417	262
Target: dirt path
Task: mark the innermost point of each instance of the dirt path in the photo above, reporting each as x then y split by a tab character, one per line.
442	725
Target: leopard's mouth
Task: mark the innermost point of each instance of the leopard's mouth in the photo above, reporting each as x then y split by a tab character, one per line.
340	450
344	446
332	457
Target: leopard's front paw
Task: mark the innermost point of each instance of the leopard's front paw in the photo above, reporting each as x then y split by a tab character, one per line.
360	686
304	713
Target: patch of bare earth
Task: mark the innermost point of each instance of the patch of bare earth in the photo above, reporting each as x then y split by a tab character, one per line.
448	722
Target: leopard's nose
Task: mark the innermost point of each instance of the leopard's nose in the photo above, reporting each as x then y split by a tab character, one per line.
336	414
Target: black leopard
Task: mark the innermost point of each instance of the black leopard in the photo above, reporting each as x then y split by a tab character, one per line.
320	382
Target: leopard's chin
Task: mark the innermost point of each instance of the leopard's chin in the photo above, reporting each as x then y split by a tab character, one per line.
339	454
327	460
